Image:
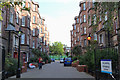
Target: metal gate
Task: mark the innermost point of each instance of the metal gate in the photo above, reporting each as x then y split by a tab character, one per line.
106	53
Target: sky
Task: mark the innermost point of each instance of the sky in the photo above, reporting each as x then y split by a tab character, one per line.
59	17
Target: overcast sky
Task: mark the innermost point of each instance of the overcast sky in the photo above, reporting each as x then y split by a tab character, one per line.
59	17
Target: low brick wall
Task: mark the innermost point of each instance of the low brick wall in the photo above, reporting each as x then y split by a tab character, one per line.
75	64
24	67
82	68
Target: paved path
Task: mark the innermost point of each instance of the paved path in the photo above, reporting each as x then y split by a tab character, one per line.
54	70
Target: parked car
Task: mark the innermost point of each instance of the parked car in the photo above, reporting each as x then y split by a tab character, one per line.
67	62
62	60
52	60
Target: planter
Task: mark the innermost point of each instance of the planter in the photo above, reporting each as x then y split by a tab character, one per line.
24	67
82	68
75	64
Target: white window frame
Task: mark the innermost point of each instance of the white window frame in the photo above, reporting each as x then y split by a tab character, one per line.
34	19
11	17
95	36
84	6
17	17
94	22
34	32
23	39
33	44
106	16
74	27
77	20
85	30
27	39
23	20
84	18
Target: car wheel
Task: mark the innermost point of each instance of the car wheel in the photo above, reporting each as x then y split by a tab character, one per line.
64	64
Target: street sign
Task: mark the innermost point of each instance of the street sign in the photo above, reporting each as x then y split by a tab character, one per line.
106	66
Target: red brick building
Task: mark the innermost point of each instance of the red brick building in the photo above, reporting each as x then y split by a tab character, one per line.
84	26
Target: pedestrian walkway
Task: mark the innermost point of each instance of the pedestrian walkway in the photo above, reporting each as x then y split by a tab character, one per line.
55	70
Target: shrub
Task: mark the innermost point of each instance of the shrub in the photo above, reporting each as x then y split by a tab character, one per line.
11	65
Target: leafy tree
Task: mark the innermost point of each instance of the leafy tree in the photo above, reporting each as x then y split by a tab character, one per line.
77	50
57	48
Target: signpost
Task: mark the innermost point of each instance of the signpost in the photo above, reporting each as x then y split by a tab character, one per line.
106	66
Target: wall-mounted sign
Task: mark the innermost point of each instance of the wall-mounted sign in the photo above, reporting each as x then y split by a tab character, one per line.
106	66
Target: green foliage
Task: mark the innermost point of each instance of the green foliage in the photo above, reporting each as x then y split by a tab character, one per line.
11	64
74	58
105	53
75	61
77	50
56	48
36	52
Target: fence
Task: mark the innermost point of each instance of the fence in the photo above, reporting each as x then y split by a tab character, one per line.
110	54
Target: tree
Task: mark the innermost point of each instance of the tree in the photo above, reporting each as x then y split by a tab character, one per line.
77	50
56	48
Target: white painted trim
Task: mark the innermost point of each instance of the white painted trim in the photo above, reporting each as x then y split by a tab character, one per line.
0	72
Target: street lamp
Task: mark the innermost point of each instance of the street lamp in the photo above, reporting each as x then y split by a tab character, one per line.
18	68
89	38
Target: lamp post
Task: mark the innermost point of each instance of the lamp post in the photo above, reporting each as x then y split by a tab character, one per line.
18	68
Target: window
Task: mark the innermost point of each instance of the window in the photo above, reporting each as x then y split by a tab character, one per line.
41	30
38	31
37	20
89	5
15	41
81	29
33	44
74	34
116	26
27	39
75	27
95	36
101	38
84	30
34	7
23	5
33	32
11	17
41	21
85	42
17	17
41	49
28	23
100	18
23	20
78	38
29	5
94	19
78	29
89	20
77	20
34	19
80	41
84	18
23	39
80	20
105	16
75	42
84	6
93	3
40	39
0	27
72	39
